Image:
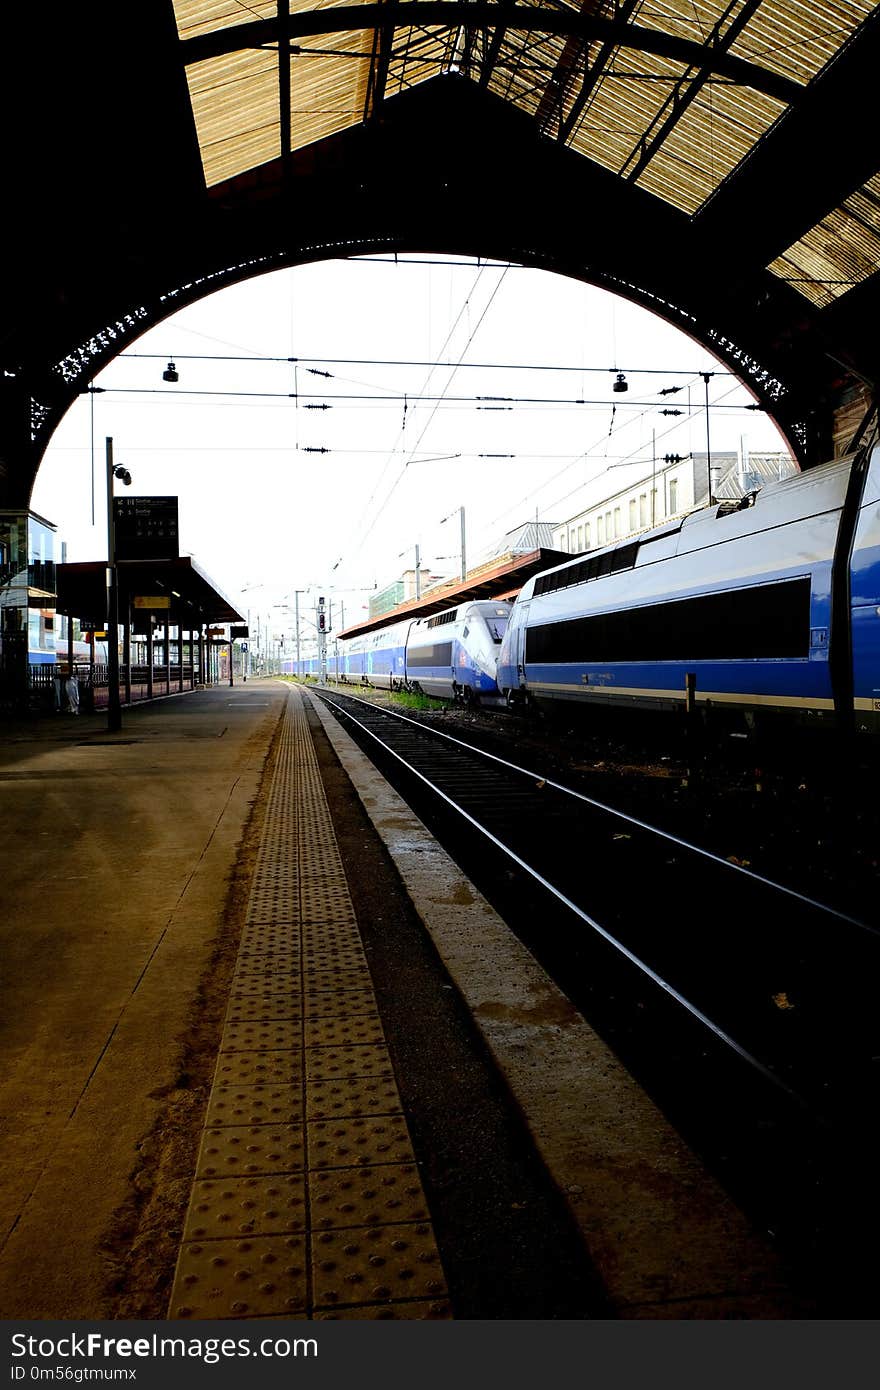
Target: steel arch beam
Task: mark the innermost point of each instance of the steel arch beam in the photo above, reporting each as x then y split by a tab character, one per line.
477	14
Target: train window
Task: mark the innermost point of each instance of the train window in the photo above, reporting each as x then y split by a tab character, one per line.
610	562
442	618
624	557
438	655
771	621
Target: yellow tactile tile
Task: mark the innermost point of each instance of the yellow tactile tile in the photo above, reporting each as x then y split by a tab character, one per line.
243	1150
307	1200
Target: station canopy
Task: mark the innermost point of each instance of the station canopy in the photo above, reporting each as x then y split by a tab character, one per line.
671	96
501	578
194	596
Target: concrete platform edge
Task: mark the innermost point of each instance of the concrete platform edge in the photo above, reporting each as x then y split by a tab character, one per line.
666	1239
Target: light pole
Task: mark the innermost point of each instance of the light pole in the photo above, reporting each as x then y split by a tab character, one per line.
296	594
706	377
417	571
463	556
114	706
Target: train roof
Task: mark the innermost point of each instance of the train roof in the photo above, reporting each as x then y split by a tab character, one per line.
502	581
803	494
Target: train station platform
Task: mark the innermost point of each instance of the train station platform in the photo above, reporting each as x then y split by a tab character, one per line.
267	1053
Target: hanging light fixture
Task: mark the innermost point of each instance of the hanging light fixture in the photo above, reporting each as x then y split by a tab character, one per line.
170	373
620	383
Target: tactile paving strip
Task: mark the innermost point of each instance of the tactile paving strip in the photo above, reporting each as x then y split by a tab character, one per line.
374	1264
307	1200
242	1150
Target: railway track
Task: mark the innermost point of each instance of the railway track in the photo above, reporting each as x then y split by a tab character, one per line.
782	983
746	1010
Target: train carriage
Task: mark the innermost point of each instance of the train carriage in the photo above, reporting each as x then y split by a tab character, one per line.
377	658
454	655
735	602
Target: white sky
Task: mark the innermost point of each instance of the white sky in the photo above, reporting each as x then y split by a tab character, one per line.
264	517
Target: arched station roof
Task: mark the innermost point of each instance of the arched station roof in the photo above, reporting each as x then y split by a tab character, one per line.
714	160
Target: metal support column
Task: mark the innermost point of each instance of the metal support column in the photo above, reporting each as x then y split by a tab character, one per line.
126	649
114	709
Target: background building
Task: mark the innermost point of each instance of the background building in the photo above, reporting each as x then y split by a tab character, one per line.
27	600
402	590
669	488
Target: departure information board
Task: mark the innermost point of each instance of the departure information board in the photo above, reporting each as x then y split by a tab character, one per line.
146	528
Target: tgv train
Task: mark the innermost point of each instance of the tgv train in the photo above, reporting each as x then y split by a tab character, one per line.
82	654
771	603
452	655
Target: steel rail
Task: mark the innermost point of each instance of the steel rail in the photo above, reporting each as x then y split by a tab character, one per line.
632	820
714	1028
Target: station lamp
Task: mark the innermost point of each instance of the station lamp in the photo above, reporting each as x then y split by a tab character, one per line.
620	382
170	373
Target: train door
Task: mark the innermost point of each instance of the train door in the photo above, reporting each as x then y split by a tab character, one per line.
518	650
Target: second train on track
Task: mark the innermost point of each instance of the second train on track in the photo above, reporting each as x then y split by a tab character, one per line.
769	605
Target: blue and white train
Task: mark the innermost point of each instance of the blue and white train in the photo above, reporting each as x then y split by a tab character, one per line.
452	655
766	605
769	604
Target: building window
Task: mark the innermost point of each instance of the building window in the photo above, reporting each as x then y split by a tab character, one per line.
673	495
617	521
580	538
586	535
643	509
632	514
572	544
608	532
600	531
653	505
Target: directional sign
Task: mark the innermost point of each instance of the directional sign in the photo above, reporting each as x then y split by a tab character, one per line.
146	528
239	630
151	601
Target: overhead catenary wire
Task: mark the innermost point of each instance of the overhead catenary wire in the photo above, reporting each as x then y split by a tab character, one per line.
470	339
402	397
419	362
400	433
583	456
